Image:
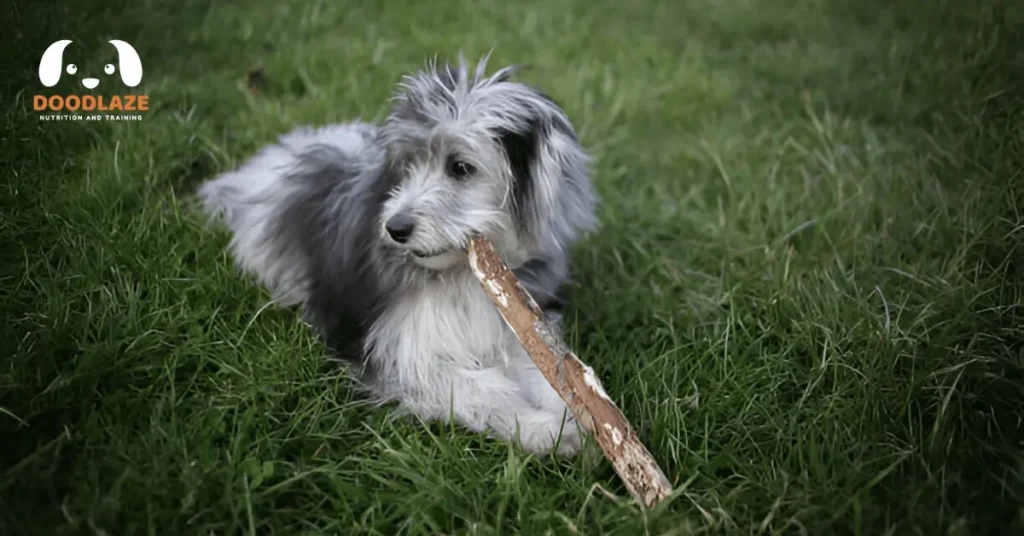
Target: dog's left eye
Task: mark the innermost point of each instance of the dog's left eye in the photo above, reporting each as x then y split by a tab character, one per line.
109	68
459	169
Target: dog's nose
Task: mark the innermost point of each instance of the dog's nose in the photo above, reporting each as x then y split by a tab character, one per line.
399	228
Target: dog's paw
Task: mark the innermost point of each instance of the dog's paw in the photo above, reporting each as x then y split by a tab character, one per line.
543	433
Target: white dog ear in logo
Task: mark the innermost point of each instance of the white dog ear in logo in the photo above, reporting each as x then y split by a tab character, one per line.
53	63
128	63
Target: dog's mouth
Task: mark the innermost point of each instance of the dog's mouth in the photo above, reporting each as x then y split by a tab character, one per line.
420	254
439	252
440	259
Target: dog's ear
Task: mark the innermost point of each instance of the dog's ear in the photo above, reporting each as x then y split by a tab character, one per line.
551	192
129	64
52	63
521	148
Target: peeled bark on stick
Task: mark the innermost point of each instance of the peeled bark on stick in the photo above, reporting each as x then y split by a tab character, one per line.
575	382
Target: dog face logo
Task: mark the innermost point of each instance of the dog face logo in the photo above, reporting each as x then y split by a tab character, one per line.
52	65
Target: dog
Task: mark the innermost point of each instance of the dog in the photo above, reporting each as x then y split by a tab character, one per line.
365	227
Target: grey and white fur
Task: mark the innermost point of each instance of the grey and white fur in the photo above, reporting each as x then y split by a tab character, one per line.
366	227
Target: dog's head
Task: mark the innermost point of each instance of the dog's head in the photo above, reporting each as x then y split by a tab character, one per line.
52	64
470	154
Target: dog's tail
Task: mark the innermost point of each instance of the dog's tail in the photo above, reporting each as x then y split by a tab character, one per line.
279	202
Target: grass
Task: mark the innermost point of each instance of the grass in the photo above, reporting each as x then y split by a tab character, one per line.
806	291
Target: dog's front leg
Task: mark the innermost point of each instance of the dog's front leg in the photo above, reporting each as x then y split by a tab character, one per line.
485	400
531	380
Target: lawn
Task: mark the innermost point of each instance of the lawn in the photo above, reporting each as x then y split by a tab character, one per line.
805	293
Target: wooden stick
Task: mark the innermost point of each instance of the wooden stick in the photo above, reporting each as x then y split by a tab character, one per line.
575	382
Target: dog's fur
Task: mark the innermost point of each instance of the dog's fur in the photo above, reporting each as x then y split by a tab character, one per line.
460	153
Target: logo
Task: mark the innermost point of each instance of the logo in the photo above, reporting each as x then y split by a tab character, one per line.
127	72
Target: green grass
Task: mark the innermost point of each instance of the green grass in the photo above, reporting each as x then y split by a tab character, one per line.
806	292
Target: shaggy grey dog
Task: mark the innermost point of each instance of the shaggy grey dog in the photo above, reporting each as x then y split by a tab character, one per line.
366	227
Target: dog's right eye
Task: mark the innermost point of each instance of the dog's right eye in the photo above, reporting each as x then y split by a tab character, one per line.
72	68
459	169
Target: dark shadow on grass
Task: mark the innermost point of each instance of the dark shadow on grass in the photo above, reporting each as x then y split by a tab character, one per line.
978	113
39	448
